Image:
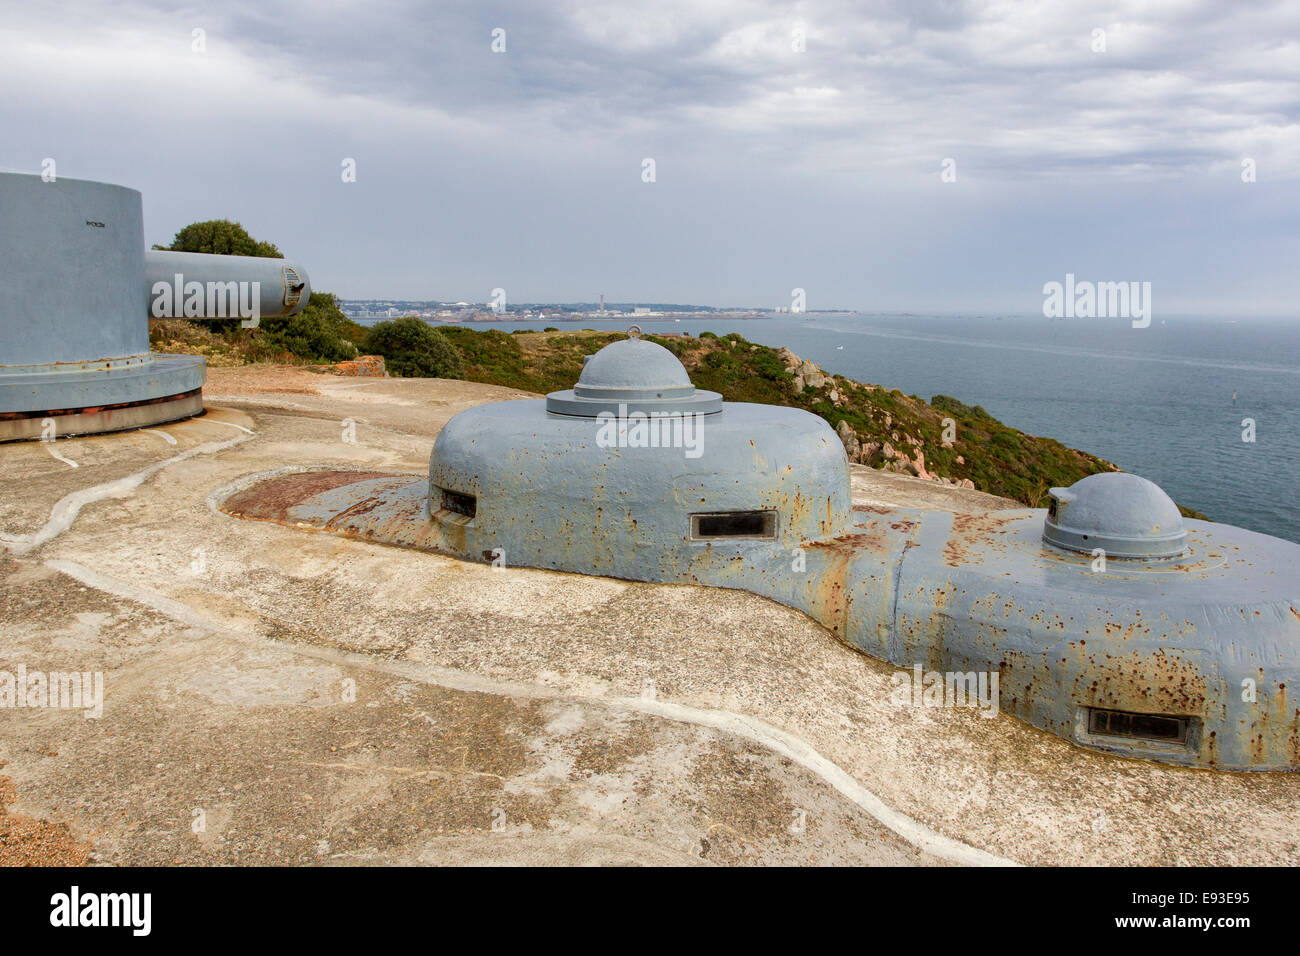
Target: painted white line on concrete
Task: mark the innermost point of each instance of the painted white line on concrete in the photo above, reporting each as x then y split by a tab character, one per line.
161	434
215	421
775	739
66	509
49	446
750	728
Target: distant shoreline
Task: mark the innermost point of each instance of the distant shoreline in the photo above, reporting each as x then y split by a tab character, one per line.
480	318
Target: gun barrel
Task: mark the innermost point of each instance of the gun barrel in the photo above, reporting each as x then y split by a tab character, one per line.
191	285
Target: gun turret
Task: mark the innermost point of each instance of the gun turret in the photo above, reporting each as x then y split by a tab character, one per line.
76	291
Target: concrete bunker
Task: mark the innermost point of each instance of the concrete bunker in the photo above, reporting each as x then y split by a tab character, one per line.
77	289
1106	619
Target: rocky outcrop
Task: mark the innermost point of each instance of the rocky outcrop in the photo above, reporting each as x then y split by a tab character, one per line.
903	454
812	375
852	446
885	456
363	365
806	372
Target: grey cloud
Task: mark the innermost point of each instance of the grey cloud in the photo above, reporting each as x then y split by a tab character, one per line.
776	168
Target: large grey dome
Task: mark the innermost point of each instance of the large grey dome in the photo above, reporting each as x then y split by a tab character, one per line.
638	375
633	363
1125	515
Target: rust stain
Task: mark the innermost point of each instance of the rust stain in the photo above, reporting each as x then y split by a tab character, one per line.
830	597
850	543
271	500
365	506
970	529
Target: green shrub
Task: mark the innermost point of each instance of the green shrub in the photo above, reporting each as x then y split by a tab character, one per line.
946	403
413	349
319	333
221	237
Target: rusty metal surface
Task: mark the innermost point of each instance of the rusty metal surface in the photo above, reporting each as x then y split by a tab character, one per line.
550	496
271	500
953	593
1211	638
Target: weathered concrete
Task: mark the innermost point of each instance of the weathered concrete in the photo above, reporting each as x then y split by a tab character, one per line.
225	645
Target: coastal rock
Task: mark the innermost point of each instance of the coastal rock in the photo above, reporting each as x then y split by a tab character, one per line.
363	365
788	358
849	438
811	374
916	466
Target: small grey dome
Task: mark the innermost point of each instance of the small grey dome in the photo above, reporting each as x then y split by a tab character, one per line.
633	363
1124	515
638	376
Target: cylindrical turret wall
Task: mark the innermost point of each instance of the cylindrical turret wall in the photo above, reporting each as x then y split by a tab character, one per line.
71	268
74	329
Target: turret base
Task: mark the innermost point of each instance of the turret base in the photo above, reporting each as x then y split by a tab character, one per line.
56	401
66	423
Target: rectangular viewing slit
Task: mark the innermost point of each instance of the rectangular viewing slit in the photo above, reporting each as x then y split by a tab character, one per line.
734	524
459	504
1156	727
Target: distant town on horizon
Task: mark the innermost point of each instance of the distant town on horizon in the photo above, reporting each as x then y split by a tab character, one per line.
439	311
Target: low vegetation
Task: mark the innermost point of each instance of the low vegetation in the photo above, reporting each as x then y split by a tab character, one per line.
413	348
220	237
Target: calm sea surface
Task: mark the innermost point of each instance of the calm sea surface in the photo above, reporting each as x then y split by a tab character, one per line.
1156	401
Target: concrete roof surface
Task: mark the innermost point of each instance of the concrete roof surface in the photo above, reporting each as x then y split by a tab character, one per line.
278	696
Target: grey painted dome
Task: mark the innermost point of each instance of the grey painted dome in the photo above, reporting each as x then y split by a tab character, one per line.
638	375
634	363
1125	515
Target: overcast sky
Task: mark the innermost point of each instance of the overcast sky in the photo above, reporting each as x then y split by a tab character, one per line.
775	167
